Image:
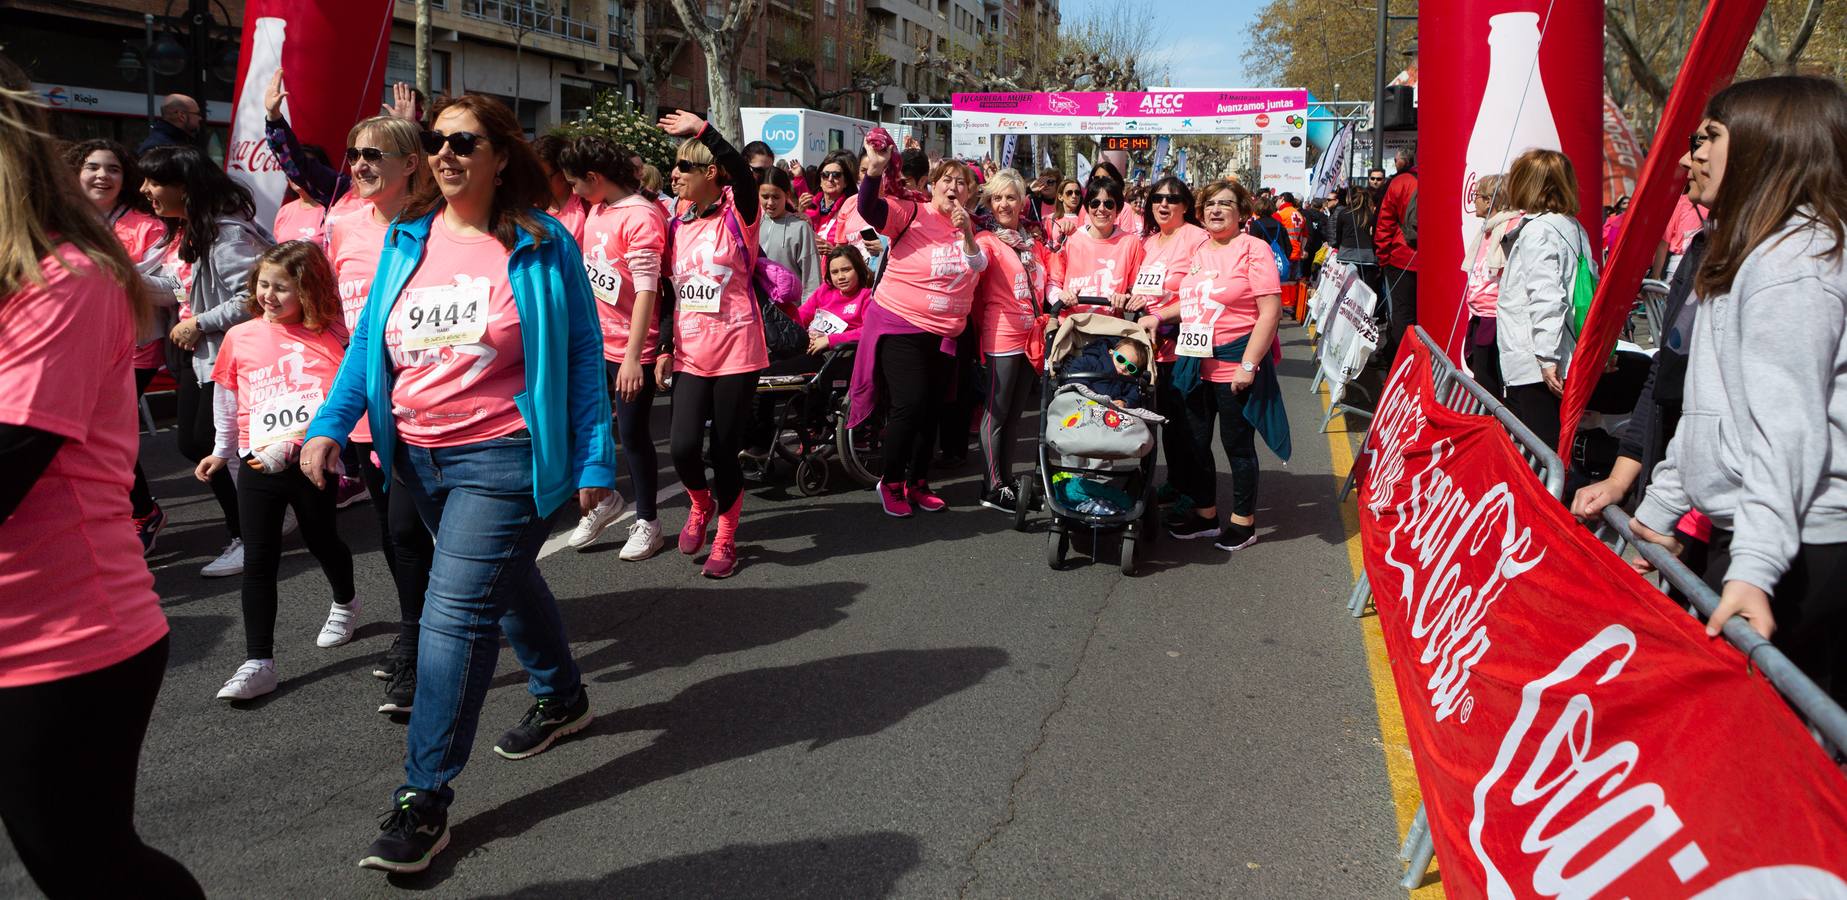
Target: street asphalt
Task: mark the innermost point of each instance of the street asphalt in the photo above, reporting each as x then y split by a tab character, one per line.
870	708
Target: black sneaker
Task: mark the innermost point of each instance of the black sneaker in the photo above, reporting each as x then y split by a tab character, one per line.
548	720
401	690
1195	527
398	654
410	835
1235	537
1001	498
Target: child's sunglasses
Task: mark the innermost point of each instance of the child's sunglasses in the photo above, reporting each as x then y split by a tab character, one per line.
1123	361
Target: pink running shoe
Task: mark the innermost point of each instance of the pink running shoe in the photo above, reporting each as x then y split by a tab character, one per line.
723	560
692	536
892	495
920	495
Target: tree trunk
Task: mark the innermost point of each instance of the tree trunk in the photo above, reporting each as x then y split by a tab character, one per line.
721	86
423	47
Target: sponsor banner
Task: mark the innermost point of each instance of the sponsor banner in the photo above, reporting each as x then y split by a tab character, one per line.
1575	733
334	57
65	98
1622	156
1257	111
1330	172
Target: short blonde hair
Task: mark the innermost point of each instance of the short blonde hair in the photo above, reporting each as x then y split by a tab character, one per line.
650	178
1003	180
696	153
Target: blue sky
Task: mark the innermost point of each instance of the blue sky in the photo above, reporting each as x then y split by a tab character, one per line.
1197	53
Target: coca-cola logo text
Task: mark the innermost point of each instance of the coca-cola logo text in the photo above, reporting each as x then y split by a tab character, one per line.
252	156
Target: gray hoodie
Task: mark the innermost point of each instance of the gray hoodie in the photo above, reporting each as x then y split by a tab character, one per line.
220	282
1762	444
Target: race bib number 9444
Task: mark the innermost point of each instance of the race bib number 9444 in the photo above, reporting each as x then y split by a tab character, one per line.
446	316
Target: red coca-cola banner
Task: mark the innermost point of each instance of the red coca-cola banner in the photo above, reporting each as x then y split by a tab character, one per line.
1575	733
333	55
1505	76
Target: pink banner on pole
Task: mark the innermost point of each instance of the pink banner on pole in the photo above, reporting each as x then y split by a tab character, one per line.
1138	104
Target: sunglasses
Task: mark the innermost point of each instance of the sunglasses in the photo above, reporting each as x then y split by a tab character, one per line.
1175	199
1128	367
1072	193
1102	203
1375	179
833	175
462	142
369	154
1696	141
687	166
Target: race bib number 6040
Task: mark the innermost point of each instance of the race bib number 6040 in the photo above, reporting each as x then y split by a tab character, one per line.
445	316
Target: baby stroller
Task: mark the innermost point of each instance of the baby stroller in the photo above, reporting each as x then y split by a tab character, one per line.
809	433
1096	459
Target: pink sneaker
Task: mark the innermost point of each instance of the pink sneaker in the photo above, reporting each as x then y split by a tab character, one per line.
920	495
892	495
692	536
723	560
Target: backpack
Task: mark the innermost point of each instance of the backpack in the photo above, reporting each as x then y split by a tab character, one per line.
1584	277
1409	226
1278	239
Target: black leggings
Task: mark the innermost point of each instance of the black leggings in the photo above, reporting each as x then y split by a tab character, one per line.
196	433
263	499
635	427
1010	381
1209	401
1809	607
1176	436
916	374
403	540
140	496
1537	408
67	782
725	401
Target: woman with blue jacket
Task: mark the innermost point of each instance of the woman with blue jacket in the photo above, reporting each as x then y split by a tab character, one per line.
478	362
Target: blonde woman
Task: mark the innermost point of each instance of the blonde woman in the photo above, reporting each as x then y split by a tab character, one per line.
1484	262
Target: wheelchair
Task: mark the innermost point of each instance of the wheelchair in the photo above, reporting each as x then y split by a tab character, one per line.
809	430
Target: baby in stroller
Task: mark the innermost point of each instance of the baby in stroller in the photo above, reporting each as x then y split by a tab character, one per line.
1097	427
1114	368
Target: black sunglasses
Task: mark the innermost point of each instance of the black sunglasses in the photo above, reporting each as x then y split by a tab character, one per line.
1697	140
687	166
1102	203
462	142
1166	198
831	174
1375	178
369	154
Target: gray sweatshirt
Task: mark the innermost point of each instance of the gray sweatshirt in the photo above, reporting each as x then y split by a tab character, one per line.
1533	314
1762	444
220	285
790	241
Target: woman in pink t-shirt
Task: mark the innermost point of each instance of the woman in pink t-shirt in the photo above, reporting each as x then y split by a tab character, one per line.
839	176
566	206
1231	298
278	366
921	304
1066	215
1008	300
718	347
83	643
1097	261
624	236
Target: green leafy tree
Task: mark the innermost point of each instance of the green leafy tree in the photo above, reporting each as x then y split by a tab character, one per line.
611	116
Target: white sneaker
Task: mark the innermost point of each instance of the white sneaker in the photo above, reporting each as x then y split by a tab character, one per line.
289	523
599	518
644	540
341	620
254	678
230	562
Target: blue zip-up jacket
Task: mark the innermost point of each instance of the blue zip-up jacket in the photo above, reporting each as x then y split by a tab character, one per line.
566	402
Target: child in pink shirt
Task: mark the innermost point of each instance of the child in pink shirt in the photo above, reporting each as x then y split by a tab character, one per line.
833	313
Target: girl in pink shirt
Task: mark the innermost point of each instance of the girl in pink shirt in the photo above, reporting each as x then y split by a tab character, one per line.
1067	214
833	313
279	366
921	303
1008	301
718	347
300	219
568	208
624	237
1099	260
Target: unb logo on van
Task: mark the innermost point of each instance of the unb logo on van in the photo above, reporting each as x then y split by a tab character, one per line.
780	132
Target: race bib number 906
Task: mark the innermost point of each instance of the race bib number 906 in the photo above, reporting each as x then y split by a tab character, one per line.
283	418
446	316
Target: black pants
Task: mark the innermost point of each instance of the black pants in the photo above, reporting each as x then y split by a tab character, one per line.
635	429
1401	288
1176	436
140	496
1484	356
67	782
403	540
725	401
263	499
196	433
1010	382
763	419
958	416
1809	605
916	374
1209	401
1537	408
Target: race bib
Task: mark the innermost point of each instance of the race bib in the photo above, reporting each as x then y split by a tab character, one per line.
1150	280
283	418
445	316
826	323
1195	341
605	281
697	293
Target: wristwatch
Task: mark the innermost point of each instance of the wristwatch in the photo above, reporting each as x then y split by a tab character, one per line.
1248	367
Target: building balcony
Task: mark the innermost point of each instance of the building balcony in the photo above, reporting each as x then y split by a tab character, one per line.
801	9
528	17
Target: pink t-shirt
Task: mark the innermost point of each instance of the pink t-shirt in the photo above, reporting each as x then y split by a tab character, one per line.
928	281
138	232
465	362
279	371
1682	226
571	215
837	315
622	244
75	593
1129	220
180	270
300	221
1088	267
1171	257
1222	289
1008	295
716	327
348	206
354	242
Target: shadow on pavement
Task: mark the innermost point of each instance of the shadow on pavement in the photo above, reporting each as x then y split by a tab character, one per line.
731	717
859	865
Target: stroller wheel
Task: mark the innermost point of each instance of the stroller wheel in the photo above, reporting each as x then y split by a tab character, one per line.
1023	488
811	476
1130	546
1059	542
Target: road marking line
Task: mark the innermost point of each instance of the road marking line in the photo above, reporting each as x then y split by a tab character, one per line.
562	539
1399	770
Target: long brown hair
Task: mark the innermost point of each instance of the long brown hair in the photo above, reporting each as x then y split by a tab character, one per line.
522	188
40	207
1786	150
314	283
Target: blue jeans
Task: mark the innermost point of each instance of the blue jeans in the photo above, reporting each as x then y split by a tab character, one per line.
477	501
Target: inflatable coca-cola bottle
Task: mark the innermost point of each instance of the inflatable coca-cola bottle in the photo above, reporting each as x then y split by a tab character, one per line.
1515	115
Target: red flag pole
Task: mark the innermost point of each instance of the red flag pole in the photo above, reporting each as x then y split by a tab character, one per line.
1713	57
